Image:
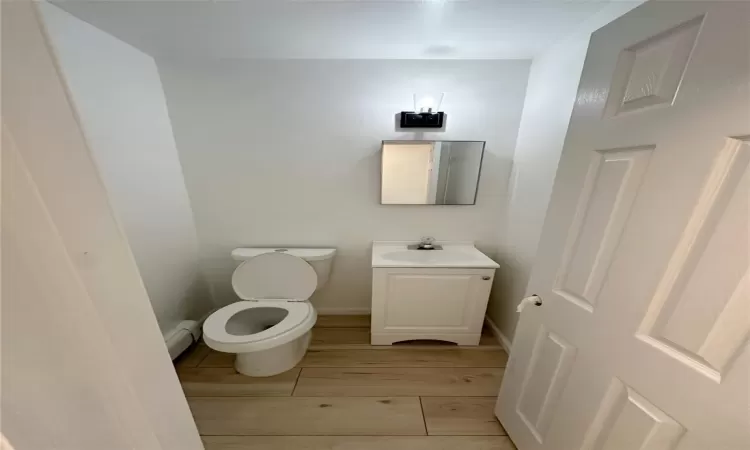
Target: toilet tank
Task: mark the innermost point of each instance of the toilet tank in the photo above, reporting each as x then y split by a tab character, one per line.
319	258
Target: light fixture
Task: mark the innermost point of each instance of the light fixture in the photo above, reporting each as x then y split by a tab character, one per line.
426	113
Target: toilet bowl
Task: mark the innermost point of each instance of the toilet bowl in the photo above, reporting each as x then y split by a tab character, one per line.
269	328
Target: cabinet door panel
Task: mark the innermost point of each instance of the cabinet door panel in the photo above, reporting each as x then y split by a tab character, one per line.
430	300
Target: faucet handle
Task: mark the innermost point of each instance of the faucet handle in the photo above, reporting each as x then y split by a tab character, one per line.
427	240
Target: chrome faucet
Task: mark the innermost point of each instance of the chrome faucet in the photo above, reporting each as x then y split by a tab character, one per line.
425	243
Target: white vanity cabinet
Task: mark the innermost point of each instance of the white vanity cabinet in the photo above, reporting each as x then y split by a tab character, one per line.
421	296
426	303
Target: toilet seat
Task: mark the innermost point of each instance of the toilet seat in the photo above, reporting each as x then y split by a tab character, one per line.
299	320
269	280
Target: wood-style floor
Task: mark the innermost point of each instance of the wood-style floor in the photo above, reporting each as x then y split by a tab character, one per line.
348	395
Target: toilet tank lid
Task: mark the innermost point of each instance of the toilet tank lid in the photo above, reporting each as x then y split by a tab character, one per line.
308	254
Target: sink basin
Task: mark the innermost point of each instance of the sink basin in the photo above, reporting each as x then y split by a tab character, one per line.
453	254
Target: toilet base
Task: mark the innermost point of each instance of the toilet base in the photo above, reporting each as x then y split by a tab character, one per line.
266	363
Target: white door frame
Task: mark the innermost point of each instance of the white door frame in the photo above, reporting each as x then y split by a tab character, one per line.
84	363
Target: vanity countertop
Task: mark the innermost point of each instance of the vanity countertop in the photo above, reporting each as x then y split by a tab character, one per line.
453	254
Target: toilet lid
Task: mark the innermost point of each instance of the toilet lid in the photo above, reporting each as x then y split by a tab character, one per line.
275	276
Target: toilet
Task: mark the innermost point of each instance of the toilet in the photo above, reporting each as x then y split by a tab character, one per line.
269	328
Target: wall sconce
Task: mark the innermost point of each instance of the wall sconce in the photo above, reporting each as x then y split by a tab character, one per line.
426	113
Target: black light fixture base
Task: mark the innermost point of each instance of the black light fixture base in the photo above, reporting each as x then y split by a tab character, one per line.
410	119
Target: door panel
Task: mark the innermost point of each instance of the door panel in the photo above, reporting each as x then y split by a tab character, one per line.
641	342
710	261
626	420
612	182
552	360
649	72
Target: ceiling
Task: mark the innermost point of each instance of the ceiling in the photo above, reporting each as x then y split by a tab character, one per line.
338	29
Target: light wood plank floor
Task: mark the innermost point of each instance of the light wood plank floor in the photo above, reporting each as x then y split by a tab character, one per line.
348	395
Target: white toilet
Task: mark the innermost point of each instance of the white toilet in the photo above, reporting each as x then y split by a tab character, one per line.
269	328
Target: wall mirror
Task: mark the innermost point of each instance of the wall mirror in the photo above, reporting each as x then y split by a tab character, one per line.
430	172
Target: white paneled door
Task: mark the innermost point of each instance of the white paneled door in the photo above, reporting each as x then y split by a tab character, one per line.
641	342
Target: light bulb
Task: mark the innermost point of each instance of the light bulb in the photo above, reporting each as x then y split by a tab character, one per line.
426	104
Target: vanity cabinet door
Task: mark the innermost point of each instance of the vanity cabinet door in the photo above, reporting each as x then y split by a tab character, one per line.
447	304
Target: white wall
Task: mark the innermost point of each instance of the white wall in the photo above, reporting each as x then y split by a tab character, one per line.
551	94
83	363
118	96
288	153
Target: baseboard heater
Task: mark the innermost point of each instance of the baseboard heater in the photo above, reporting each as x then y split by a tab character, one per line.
182	336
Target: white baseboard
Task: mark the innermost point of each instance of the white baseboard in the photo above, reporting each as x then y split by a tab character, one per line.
327	311
501	338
